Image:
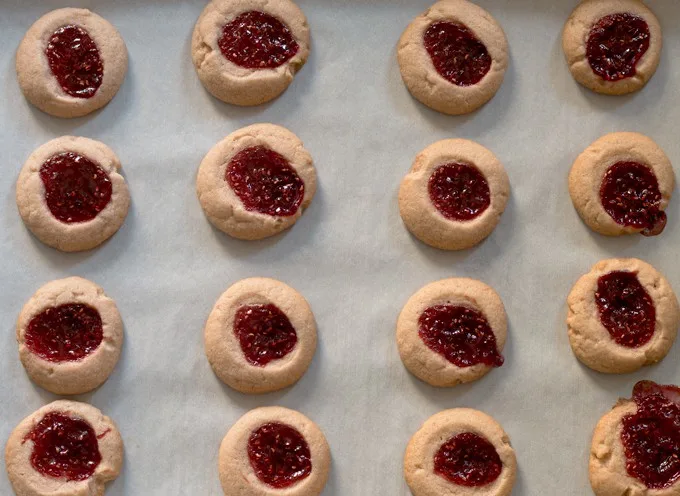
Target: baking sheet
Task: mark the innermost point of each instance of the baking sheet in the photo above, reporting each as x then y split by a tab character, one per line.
349	255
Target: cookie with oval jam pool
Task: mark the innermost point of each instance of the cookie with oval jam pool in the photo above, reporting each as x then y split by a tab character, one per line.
65	448
272	451
461	452
247	52
71	62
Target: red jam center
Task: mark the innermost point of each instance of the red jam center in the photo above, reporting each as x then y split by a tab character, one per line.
459	191
279	455
456	53
64	447
626	309
630	194
651	436
615	45
468	460
264	332
460	334
256	40
74	60
265	182
76	189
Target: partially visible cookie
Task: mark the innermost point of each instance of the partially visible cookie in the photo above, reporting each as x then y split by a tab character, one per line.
260	336
71	62
452	331
247	52
612	46
65	448
623	315
256	182
460	452
272	451
454	194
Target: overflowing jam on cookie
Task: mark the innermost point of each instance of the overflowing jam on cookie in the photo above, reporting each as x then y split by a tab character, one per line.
651	435
75	61
65	333
256	40
468	459
630	195
457	54
459	191
279	455
460	334
264	333
616	44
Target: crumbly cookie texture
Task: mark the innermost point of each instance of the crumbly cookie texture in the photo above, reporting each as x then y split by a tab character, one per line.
423	219
236	473
591	342
420	452
26	481
575	38
223	349
36	80
222	206
239	85
80	236
590	167
421	77
425	363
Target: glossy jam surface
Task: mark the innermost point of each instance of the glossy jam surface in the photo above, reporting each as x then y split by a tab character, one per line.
459	191
76	189
468	460
630	194
616	44
65	333
265	182
460	334
64	447
651	436
279	455
264	332
256	40
74	60
457	55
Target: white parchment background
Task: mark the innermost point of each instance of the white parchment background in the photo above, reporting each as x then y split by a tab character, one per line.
349	255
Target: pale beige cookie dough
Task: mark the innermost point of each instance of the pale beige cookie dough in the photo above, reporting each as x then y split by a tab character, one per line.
590	168
233	83
237	474
421	77
427	364
591	341
38	82
90	371
27	481
426	221
437	430
223	347
223	207
577	32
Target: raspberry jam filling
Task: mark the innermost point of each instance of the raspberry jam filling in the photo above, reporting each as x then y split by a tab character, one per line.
651	436
265	182
459	191
457	54
65	333
460	334
74	60
279	455
468	460
630	195
64	447
264	332
616	44
76	189
256	40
